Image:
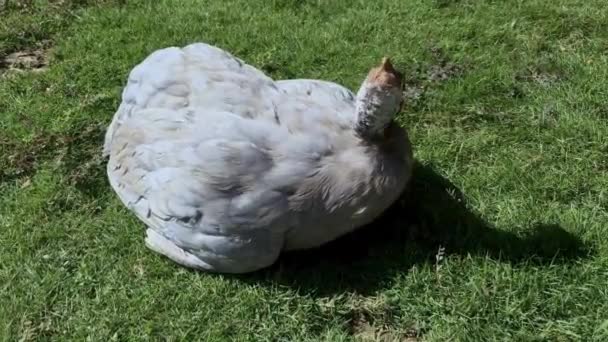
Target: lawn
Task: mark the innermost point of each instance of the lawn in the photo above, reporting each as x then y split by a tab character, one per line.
503	234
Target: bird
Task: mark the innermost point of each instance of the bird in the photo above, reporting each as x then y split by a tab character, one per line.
228	168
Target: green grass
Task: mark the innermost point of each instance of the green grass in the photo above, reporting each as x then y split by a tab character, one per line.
502	236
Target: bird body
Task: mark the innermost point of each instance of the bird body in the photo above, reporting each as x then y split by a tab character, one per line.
228	167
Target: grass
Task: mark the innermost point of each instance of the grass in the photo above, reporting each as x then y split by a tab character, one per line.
502	235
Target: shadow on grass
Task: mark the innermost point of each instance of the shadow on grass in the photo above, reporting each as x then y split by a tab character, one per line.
431	214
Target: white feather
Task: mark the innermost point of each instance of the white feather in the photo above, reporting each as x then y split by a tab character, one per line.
228	168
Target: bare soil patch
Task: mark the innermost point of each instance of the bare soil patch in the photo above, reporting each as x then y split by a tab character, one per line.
35	59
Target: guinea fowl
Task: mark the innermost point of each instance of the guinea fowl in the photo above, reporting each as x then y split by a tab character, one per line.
227	167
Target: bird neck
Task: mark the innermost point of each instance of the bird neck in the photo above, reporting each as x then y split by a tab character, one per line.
373	113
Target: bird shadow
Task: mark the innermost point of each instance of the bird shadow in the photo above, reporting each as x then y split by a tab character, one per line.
431	217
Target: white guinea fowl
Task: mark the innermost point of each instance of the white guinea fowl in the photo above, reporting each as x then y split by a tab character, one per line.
228	168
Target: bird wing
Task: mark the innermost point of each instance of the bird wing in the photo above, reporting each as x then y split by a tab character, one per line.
200	179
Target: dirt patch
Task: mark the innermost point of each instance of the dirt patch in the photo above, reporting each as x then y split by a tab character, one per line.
31	60
443	72
35	59
544	79
545	74
364	331
443	68
371	320
421	78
